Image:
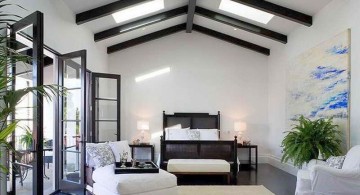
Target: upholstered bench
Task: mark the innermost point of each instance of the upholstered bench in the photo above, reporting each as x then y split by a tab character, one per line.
199	167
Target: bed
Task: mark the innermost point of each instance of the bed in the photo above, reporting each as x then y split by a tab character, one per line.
207	148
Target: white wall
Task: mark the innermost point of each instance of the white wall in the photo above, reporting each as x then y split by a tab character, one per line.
333	19
62	33
206	75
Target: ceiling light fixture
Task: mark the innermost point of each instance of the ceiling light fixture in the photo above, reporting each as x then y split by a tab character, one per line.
138	10
152	74
245	11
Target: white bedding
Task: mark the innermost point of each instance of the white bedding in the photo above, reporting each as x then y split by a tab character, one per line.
126	184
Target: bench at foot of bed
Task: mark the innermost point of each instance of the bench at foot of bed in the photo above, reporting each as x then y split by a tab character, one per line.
199	167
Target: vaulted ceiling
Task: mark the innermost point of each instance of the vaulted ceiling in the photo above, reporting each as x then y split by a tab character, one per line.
200	15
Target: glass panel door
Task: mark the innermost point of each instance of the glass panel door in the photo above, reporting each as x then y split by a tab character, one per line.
106	107
72	76
26	175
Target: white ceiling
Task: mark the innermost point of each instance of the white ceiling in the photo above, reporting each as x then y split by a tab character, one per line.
281	25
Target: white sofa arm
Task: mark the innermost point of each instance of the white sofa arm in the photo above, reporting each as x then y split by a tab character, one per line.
328	180
314	162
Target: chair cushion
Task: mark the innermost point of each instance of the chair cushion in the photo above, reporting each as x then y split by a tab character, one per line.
352	160
198	166
133	183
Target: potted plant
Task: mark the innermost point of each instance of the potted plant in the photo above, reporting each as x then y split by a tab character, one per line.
27	140
309	139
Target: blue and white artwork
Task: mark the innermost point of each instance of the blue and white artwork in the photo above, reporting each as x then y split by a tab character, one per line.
319	83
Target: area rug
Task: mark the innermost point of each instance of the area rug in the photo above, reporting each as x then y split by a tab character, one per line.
223	190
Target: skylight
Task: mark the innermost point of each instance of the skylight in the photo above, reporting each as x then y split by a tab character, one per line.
138	10
245	11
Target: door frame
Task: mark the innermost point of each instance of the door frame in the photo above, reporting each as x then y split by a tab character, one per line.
35	19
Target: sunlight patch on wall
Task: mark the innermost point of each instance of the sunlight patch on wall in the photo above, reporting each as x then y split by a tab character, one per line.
152	74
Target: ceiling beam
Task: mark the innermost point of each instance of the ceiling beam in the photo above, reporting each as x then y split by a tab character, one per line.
105	10
278	10
232	40
140	23
146	38
241	25
190	15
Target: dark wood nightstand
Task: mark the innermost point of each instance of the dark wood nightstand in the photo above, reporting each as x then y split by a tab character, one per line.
249	162
145	146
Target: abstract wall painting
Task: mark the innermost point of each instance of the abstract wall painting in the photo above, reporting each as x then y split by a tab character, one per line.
318	83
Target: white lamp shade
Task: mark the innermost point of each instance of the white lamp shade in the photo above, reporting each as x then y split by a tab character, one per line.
240	126
143	125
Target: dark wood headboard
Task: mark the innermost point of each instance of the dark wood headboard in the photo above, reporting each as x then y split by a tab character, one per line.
192	120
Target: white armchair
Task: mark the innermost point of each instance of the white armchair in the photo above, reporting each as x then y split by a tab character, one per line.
320	179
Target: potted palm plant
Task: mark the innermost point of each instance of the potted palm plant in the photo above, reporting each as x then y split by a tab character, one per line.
309	139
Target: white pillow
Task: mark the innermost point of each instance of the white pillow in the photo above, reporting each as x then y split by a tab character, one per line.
209	134
178	134
119	147
178	126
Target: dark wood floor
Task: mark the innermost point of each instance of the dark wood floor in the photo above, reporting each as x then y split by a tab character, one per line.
277	181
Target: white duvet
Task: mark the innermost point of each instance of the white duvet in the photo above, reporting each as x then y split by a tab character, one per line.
132	183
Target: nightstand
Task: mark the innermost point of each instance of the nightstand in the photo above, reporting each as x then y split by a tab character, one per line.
249	162
136	147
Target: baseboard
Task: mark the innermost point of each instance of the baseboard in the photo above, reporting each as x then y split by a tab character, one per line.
276	162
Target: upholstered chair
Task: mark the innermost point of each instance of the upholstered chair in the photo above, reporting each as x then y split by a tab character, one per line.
320	179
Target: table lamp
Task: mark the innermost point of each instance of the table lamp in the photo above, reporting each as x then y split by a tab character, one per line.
143	126
240	127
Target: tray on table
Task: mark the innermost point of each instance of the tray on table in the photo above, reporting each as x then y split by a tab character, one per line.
135	170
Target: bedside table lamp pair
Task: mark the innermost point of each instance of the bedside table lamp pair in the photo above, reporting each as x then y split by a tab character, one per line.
143	126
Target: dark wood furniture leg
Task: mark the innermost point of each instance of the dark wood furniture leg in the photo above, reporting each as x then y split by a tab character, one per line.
152	154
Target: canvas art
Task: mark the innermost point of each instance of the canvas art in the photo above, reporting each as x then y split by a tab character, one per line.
319	83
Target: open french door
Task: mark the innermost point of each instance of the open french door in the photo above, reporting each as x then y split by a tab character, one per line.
27	159
72	122
105	104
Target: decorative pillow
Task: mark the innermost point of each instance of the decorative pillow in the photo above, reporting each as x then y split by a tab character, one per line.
89	160
101	154
178	126
209	134
193	134
119	147
335	161
178	134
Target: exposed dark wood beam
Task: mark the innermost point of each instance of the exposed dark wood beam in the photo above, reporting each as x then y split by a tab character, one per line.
232	40
105	10
278	11
140	23
146	38
190	15
241	25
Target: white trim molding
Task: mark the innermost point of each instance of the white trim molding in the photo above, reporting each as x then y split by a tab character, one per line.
276	162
